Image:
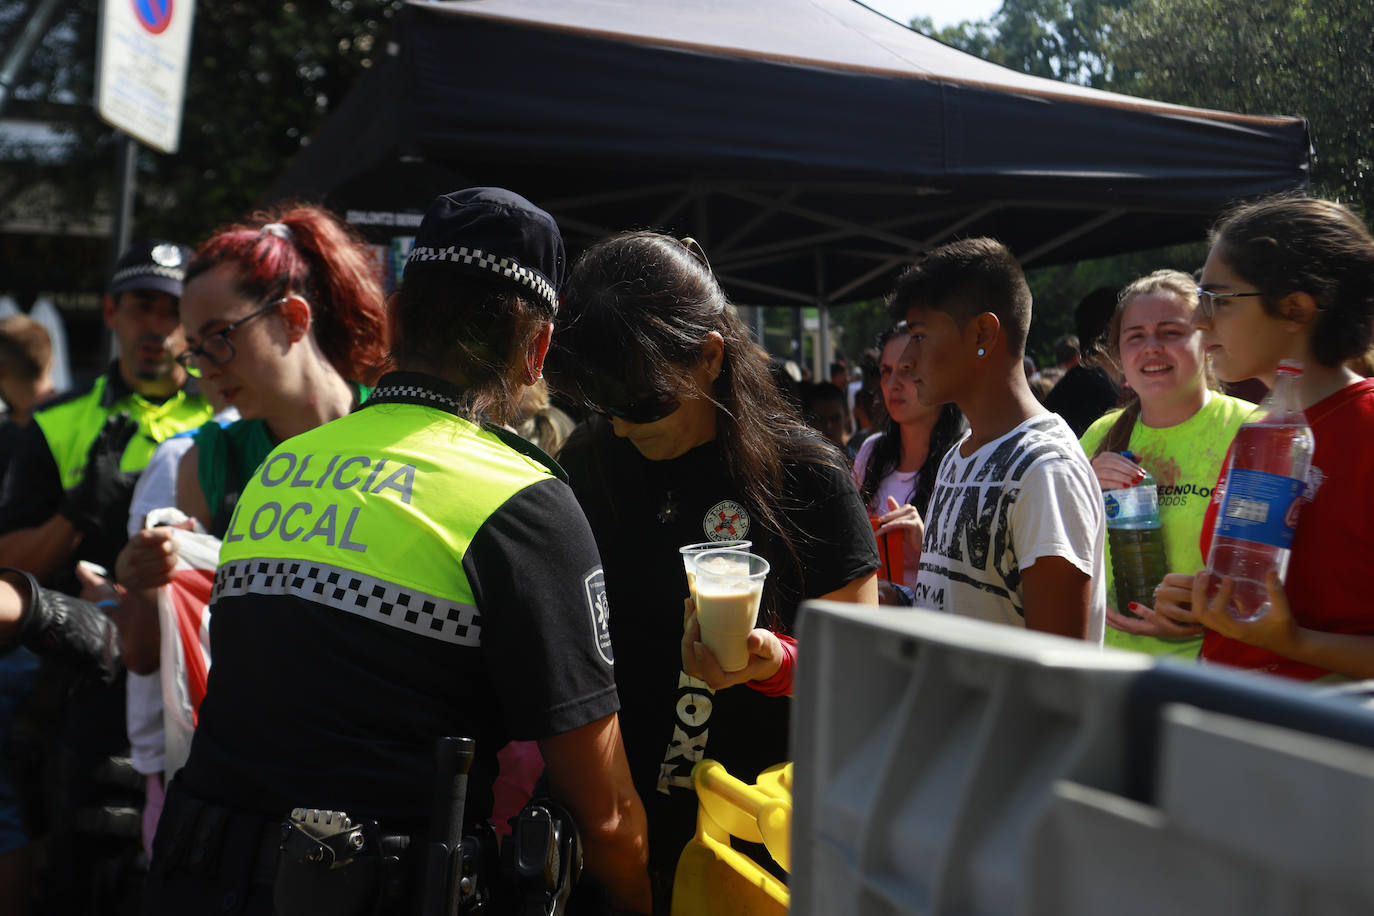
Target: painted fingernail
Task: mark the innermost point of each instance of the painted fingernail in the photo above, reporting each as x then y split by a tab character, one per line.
1133	606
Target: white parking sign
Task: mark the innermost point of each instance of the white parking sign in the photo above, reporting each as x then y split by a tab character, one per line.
141	77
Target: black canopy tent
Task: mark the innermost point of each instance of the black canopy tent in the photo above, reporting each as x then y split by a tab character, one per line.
812	146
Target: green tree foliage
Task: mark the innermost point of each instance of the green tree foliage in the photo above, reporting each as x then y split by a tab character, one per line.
1296	57
1313	58
1057	39
262	77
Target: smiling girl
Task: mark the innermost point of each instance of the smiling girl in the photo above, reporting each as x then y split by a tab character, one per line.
1178	429
1293	278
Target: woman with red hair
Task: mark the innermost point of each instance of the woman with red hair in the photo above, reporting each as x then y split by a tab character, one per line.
284	321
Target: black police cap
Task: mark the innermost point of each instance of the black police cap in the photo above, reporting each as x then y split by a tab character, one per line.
154	264
492	232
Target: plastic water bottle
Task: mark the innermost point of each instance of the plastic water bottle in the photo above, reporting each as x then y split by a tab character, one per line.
1264	484
1137	542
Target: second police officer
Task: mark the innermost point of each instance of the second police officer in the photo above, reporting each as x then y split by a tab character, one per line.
407	572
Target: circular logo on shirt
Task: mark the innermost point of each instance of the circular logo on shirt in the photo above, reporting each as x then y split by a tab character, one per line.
726	521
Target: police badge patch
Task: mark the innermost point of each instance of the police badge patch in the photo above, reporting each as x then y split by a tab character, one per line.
726	521
166	255
594	587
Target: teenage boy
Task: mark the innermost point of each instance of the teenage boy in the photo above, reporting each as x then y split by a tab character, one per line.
1015	528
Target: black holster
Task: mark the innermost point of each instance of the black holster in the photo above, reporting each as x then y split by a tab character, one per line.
542	859
328	864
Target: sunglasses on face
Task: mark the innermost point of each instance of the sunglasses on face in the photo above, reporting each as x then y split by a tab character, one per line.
646	410
217	348
1207	300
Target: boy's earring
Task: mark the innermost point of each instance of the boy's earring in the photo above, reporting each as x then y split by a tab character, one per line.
982	352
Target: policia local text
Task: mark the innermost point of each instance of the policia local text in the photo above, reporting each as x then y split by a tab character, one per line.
305	520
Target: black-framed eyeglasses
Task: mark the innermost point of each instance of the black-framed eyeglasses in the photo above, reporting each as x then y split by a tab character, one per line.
646	410
217	347
1207	300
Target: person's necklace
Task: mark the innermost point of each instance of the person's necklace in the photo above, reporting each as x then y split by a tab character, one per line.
667	512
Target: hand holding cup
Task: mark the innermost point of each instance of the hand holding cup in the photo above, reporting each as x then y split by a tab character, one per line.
729	589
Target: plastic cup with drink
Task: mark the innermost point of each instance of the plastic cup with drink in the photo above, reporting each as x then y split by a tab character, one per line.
692	550
729	588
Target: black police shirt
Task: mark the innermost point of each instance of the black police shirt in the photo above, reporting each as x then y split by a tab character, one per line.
310	706
30	494
11	435
641	512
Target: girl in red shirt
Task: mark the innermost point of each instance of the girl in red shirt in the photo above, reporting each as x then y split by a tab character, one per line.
1293	278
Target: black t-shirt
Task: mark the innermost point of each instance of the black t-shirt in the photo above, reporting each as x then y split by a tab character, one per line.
11	434
32	488
311	703
1081	396
641	512
31	493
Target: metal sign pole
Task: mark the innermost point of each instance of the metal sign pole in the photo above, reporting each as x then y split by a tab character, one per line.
126	184
122	217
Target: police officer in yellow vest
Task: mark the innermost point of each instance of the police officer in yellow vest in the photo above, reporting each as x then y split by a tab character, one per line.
66	494
407	572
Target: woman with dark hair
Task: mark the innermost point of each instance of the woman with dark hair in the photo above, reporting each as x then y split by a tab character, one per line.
895	468
693	442
1292	278
407	572
1175	426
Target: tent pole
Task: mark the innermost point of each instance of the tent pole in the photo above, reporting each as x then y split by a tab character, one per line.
821	362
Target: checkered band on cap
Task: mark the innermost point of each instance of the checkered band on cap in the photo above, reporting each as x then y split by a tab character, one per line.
476	257
354	592
409	394
148	270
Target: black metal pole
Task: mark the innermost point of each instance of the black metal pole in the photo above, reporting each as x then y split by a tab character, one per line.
122	215
126	183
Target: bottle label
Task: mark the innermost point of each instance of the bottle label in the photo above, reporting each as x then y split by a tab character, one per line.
1260	507
1131	503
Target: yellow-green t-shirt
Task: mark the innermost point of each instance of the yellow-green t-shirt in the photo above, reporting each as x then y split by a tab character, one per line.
1185	461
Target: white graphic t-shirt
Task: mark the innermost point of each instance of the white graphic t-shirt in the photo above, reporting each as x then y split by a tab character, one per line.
1029	494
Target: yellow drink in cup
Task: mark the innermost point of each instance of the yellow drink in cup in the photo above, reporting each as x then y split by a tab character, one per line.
729	587
691	550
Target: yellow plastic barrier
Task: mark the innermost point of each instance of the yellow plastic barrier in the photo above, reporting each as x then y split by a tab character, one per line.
713	879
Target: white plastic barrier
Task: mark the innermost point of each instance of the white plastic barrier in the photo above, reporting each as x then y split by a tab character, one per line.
945	765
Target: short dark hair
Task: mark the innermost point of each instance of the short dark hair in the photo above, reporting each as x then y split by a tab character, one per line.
1065	348
964	279
475	327
1291	244
1091	319
823	391
25	347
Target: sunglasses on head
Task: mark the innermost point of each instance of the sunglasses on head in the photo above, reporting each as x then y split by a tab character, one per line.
646	410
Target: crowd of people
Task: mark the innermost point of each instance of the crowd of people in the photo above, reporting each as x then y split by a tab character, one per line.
421	536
